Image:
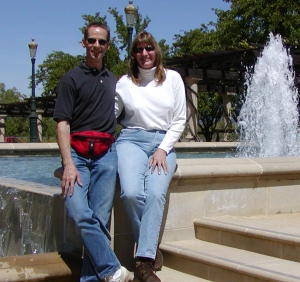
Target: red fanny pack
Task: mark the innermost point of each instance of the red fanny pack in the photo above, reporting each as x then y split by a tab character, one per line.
91	144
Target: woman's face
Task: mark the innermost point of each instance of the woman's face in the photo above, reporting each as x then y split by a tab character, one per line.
145	55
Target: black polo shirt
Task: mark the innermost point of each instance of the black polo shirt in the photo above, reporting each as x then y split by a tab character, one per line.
86	99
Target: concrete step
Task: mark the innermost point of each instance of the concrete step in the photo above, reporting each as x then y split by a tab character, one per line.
225	264
171	275
272	235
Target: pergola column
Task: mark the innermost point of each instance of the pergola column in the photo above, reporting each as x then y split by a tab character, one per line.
226	115
192	109
39	125
2	127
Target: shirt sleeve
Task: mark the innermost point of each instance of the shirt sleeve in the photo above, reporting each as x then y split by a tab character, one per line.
118	105
65	100
179	114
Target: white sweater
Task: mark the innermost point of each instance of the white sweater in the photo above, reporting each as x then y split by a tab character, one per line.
153	107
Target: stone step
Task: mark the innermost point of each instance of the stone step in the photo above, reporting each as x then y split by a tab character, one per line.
225	264
171	275
272	235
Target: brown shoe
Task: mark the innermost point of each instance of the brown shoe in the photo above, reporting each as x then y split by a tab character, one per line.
158	262
145	271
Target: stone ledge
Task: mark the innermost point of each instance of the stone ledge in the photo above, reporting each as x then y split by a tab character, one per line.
237	167
20	149
40	267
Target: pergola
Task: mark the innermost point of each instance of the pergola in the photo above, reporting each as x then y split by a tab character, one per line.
44	108
220	71
225	68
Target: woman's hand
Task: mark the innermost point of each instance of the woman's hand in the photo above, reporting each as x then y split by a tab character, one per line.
159	159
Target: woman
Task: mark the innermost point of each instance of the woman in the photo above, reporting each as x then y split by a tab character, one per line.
153	100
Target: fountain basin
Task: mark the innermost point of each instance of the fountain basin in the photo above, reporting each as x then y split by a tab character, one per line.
200	188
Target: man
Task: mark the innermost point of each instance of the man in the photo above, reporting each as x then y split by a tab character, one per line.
85	118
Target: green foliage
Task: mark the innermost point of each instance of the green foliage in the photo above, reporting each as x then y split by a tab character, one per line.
14	126
195	41
49	128
89	19
210	110
17	126
251	21
58	63
10	95
53	68
121	40
247	21
165	48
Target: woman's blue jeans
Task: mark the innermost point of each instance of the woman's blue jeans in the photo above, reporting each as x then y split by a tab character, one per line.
143	193
90	208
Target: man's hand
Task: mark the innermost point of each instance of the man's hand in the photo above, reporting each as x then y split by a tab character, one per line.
70	175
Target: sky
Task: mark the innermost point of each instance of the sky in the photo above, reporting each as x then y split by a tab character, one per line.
54	24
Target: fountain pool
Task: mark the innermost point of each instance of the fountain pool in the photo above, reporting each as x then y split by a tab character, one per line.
33	169
39	169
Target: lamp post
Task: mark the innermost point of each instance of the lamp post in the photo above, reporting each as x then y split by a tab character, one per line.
130	12
33	116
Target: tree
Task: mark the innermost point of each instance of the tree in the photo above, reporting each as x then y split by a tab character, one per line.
195	41
49	128
210	110
10	95
58	63
53	68
251	21
246	22
14	126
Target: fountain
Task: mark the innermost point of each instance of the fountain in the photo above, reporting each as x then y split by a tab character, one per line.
33	217
268	120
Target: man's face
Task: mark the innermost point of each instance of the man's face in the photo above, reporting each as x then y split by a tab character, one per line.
96	44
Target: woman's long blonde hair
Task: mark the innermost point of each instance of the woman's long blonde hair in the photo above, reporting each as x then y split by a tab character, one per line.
133	70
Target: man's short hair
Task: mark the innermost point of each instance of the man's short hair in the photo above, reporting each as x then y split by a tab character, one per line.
97	24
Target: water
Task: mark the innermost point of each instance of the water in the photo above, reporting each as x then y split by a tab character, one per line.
34	169
208	154
41	169
268	120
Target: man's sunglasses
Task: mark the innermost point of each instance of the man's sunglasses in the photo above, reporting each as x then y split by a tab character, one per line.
141	49
93	41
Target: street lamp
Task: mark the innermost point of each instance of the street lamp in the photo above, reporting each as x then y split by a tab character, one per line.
130	12
33	116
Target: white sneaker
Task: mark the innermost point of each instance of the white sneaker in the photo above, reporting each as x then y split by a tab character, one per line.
124	276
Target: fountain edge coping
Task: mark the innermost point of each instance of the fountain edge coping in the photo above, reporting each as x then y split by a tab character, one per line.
178	145
196	169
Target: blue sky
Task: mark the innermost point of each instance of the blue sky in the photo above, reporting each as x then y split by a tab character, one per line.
54	24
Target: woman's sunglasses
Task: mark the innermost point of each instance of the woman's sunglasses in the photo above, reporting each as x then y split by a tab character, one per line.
93	41
141	49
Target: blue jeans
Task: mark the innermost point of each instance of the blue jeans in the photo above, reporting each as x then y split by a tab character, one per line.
90	208
143	193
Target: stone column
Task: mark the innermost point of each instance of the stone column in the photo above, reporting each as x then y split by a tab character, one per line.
2	127
226	115
39	125
192	106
